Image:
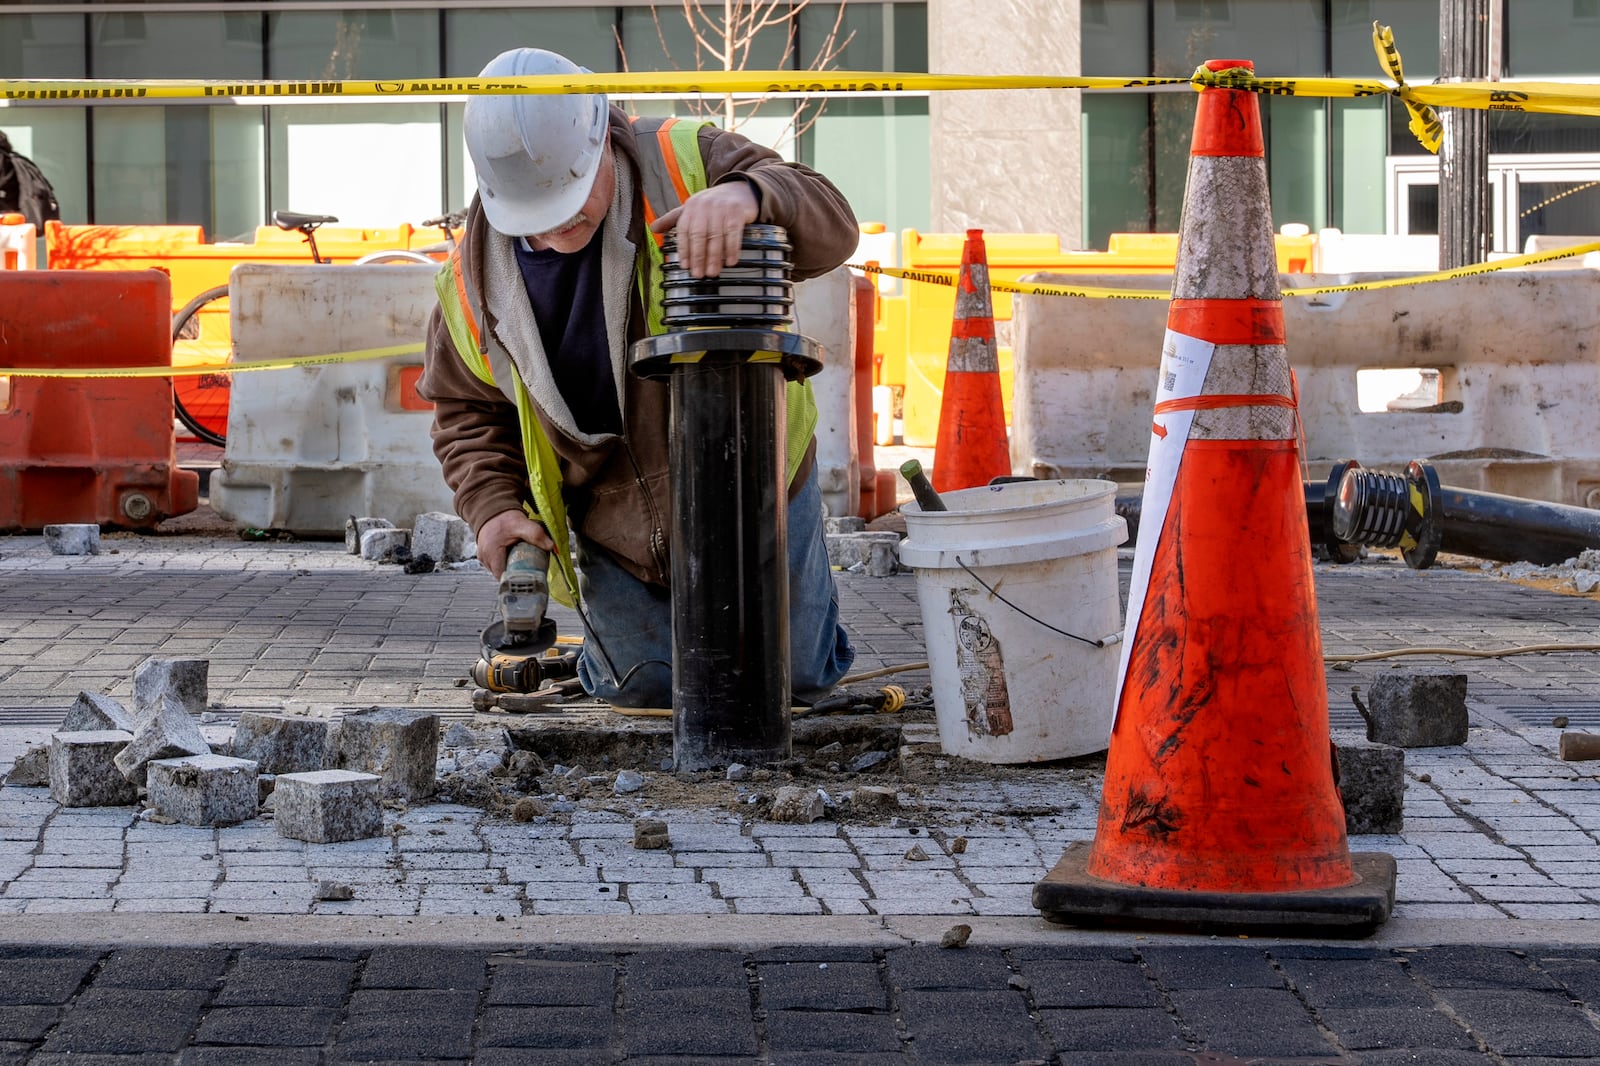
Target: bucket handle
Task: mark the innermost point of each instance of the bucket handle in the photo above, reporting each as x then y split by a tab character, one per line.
1103	642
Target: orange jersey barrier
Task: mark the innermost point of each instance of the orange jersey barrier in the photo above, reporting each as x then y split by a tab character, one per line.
88	450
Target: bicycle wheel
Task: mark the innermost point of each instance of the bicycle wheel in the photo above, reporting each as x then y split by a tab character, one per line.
199	337
398	255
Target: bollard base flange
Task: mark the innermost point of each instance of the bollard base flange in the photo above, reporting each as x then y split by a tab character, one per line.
1070	895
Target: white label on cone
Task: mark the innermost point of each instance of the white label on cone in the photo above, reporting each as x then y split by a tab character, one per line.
1184	363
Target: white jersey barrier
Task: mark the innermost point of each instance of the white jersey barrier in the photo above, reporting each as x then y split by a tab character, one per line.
1507	368
310	446
825	311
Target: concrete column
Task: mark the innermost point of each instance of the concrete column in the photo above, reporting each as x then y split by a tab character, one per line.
1006	162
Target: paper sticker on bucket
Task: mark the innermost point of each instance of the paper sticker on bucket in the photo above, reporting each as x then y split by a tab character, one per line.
981	669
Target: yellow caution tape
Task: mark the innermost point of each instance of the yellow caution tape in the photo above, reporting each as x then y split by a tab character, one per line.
1511	263
201	370
1420	100
832	82
948	278
1425	124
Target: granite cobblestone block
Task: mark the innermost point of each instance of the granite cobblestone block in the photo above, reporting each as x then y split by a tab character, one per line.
281	743
398	744
158	682
169	731
84	771
328	805
204	789
93	711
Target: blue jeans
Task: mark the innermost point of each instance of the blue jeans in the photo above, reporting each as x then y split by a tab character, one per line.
633	620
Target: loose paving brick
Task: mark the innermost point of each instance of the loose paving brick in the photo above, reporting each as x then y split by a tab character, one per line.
400	745
281	743
204	789
326	806
84	771
167	730
158	682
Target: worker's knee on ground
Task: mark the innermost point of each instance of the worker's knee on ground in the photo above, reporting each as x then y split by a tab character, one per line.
814	672
647	685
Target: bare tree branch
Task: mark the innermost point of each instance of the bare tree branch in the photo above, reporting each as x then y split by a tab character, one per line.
728	32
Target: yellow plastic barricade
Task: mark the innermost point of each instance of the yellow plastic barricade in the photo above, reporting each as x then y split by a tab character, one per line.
912	334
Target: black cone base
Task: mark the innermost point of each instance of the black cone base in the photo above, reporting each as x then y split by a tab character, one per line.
1069	894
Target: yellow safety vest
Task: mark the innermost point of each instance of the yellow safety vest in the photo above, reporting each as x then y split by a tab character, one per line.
671	171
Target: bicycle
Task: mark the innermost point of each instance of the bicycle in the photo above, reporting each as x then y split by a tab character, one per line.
201	402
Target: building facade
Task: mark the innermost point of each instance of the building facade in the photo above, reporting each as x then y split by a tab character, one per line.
1083	165
226	166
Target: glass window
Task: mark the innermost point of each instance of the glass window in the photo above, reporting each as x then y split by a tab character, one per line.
1115	39
338	45
41	46
1545	37
1116	126
1357	145
208	44
366	164
661	38
876	152
583	35
187	163
874	149
868	36
1281	37
1416	36
49	46
1116	171
1296	131
374	165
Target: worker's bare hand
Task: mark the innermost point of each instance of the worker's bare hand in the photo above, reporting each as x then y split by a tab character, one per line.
710	227
502	531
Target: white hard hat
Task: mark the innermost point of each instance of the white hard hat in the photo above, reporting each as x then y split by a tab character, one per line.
535	155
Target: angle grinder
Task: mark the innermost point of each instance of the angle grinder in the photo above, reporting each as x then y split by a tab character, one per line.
518	652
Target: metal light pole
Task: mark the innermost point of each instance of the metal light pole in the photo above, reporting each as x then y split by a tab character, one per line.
1464	200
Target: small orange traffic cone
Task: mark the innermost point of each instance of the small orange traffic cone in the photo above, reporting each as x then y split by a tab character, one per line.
1220	807
971	446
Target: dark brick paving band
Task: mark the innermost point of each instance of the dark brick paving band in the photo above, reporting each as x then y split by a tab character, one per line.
1147	1004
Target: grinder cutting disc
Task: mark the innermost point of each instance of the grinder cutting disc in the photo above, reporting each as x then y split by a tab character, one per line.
498	641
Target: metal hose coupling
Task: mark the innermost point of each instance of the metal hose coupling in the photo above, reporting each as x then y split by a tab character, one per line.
1388	510
1421	517
745	313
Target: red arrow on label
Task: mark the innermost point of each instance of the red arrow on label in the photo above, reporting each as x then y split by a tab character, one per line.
1160	430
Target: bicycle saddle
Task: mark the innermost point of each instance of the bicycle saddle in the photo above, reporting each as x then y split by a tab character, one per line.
289	220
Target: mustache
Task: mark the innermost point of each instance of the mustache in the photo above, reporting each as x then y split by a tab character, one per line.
576	220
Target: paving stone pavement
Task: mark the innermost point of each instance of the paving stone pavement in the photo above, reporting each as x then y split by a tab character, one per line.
1150	1004
1499	848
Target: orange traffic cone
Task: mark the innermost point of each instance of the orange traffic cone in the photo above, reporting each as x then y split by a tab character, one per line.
971	447
1220	808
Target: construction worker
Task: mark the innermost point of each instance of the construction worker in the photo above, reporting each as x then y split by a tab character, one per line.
538	423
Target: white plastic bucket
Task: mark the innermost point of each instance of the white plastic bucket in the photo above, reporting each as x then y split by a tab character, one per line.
1002	576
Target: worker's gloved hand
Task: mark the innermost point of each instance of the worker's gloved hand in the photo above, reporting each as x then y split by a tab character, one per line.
710	227
502	531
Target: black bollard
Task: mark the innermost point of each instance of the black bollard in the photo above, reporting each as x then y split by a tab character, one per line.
726	357
1415	513
1319	516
